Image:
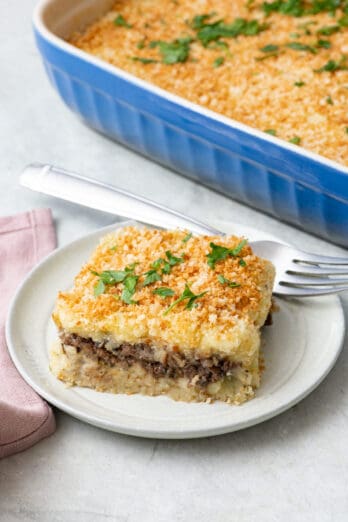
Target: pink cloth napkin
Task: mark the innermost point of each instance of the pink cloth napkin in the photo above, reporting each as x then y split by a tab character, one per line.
25	418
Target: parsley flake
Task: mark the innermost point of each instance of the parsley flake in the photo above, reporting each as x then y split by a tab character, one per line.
143	60
272	132
198	21
209	32
287	7
151	277
329	100
298	46
157	264
173	52
224	281
296	140
186	295
266	56
163	291
270	48
111	277
343	22
121	22
300	83
328	30
324	44
165	265
219	61
99	288
129	289
219	253
173	260
333	66
187	237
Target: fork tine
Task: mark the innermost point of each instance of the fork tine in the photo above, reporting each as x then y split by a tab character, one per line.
289	291
312	270
314	259
300	280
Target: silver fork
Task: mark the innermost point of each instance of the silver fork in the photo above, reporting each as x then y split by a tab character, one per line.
299	274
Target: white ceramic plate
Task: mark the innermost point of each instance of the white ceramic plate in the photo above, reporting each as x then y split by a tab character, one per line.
301	347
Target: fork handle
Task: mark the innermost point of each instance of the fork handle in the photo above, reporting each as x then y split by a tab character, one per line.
72	187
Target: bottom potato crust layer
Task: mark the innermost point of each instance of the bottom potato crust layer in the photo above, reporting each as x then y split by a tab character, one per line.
76	368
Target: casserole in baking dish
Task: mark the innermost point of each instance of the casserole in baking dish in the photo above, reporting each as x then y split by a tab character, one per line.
278	177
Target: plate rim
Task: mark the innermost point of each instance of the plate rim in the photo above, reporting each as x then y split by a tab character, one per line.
160	433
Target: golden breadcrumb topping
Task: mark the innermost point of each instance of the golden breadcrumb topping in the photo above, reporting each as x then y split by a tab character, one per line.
285	73
231	299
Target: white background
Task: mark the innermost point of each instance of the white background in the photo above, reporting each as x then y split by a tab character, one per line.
292	468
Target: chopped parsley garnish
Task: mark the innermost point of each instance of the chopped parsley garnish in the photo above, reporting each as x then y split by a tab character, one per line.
272	132
242	262
343	22
173	52
328	30
329	100
99	288
300	83
186	295
287	7
329	6
163	291
157	264
187	237
209	32
121	21
161	264
346	130
270	48
113	277
114	248
332	66
299	8
298	46
143	60
296	140
266	56
173	260
324	44
199	21
219	61
129	289
151	277
165	265
141	44
219	253
224	281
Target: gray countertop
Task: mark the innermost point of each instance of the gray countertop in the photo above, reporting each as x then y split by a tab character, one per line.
291	468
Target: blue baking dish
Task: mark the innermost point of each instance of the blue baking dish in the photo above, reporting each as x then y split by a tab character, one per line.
286	181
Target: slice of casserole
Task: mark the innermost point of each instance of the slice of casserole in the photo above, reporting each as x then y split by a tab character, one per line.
164	312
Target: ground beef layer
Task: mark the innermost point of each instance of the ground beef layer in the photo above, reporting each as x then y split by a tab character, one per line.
204	371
